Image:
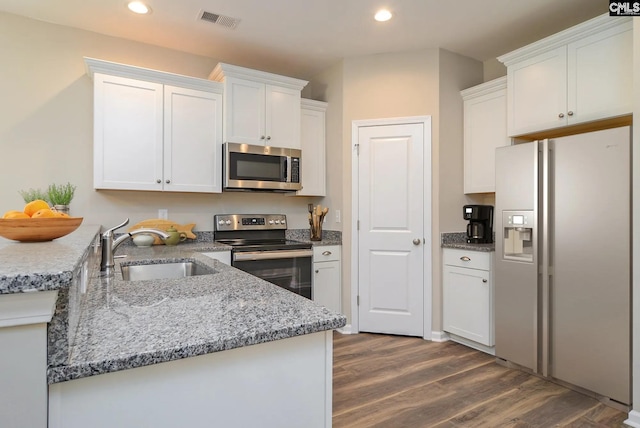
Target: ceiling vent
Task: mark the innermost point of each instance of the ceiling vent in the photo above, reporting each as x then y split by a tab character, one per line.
225	21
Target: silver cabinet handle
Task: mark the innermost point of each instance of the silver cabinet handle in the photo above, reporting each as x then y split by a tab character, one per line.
317	271
262	137
158	181
416	241
269	137
465	259
484	280
326	253
561	115
168	181
570	113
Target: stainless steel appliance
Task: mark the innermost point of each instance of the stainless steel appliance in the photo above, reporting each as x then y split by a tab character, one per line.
248	167
562	280
480	227
259	247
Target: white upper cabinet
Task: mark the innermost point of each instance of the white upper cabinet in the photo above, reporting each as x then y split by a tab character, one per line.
485	129
313	139
260	108
579	75
155	131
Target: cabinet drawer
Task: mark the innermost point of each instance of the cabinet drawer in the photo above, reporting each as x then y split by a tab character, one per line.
467	258
326	253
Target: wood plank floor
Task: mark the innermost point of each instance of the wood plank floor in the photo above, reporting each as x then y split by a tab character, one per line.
394	381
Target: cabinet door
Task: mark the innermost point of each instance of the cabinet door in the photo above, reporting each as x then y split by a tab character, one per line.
600	75
282	121
467	304
127	133
326	284
192	140
537	93
312	134
485	129
244	111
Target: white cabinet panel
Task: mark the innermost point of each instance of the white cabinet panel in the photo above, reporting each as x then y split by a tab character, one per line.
467	284
127	133
576	76
313	141
260	108
485	129
192	140
327	276
152	135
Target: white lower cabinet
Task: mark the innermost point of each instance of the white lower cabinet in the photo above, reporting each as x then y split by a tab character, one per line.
468	297
326	276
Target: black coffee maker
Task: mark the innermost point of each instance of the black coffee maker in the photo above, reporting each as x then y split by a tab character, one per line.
480	227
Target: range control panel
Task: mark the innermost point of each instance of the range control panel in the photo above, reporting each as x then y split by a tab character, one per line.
227	222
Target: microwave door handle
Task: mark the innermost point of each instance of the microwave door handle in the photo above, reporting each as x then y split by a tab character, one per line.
287	169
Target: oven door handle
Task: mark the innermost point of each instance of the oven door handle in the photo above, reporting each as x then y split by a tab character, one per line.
270	255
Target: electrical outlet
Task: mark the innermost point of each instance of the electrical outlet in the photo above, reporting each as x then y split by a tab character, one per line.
163	214
337	216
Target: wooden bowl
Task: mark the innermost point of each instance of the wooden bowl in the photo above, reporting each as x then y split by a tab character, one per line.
38	229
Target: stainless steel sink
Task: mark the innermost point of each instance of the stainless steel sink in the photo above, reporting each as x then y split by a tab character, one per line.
169	270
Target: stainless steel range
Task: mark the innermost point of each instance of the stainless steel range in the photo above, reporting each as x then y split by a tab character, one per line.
259	247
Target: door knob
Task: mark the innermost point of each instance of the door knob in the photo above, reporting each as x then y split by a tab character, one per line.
416	241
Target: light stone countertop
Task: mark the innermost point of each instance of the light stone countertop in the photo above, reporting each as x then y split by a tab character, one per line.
117	325
113	325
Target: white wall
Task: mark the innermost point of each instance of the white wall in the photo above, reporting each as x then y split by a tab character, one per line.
46	131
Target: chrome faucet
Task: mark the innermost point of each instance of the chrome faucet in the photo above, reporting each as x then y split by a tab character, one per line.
109	245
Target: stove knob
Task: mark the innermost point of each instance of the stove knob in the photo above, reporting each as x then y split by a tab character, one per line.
228	222
282	222
220	222
277	221
271	222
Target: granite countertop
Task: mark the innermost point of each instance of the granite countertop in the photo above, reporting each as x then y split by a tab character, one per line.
458	240
42	266
123	325
329	237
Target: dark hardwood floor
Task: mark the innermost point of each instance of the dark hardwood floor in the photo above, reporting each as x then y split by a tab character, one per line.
394	381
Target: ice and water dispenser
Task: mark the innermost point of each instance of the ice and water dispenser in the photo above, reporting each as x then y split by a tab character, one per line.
518	235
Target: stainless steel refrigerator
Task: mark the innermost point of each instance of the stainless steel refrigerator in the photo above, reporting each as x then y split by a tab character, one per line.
563	259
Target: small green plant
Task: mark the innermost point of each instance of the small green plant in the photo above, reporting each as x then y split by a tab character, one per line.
33	194
61	194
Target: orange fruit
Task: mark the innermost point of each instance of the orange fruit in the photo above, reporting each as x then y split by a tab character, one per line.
60	214
44	213
32	207
15	214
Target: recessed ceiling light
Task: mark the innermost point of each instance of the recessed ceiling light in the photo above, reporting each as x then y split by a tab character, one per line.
138	7
383	15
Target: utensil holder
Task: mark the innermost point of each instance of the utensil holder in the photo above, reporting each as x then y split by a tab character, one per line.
316	231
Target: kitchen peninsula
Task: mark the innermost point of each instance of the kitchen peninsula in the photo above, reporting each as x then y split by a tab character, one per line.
134	353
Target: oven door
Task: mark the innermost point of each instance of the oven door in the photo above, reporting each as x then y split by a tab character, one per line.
289	269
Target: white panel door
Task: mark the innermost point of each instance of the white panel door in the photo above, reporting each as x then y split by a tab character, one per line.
537	93
127	133
192	140
282	121
244	111
391	235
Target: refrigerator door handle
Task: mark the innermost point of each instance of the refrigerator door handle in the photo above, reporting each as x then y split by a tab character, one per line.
544	259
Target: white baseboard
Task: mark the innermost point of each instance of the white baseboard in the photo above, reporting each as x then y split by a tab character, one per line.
346	329
634	419
439	336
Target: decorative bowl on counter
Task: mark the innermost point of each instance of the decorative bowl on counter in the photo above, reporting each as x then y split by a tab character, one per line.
38	229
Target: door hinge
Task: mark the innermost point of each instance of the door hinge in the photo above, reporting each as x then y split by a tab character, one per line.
358	225
357	300
357	147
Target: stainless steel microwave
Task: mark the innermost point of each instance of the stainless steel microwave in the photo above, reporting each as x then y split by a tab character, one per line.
252	167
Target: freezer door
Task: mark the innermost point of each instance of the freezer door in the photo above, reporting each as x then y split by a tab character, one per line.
590	286
516	276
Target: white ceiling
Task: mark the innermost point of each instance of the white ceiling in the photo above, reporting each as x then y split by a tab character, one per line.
302	37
